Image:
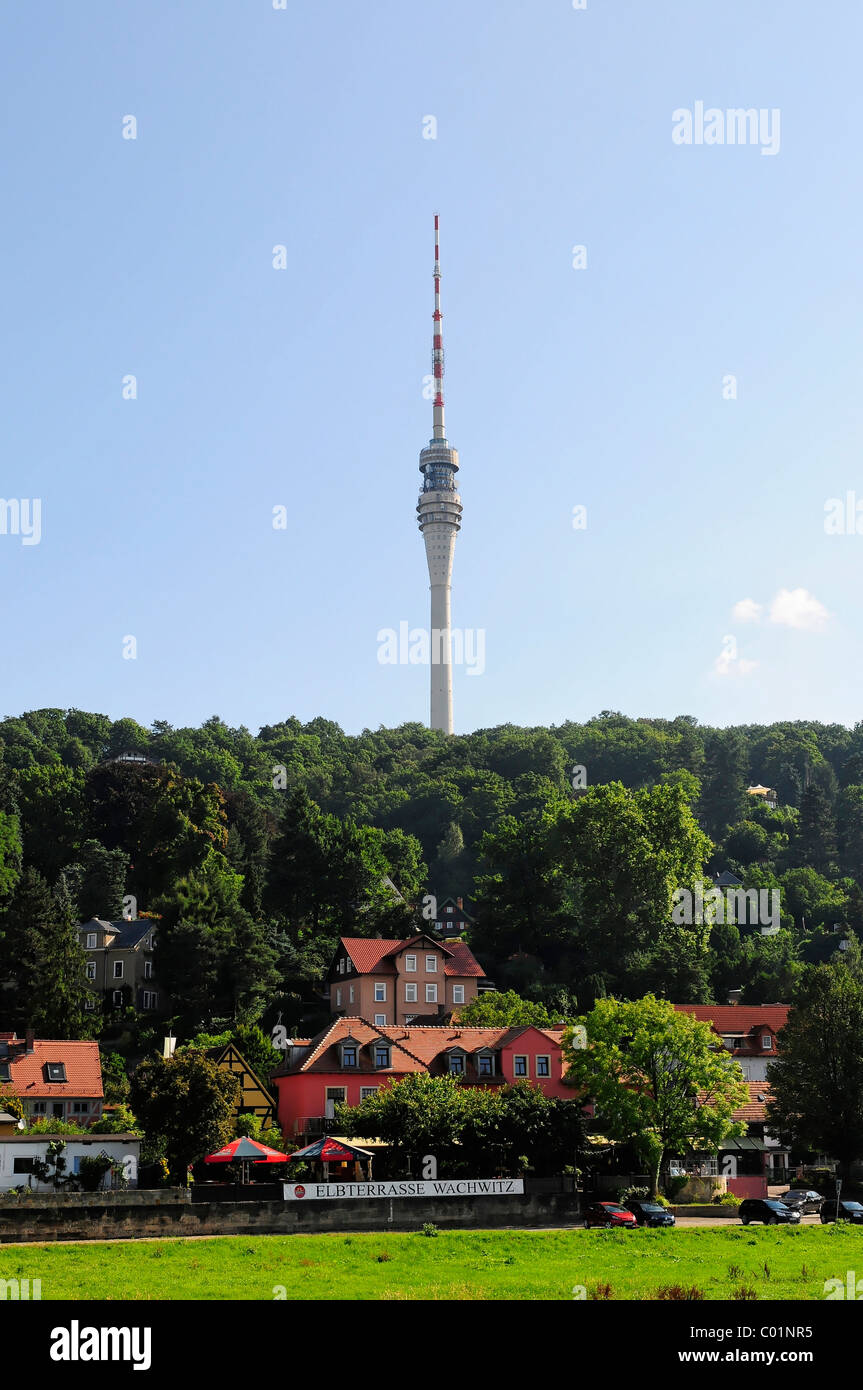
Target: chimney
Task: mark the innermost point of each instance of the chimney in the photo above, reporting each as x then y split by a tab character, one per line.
735	996
29	1041
459	902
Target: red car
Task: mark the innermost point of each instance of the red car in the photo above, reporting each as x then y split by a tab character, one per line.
609	1214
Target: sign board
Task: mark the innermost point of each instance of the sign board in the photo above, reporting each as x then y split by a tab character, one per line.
407	1187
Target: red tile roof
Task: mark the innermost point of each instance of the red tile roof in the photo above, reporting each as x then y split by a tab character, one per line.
369	954
27	1072
729	1019
414	1048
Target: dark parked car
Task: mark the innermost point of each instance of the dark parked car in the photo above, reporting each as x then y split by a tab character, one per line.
649	1213
765	1209
848	1211
801	1199
609	1214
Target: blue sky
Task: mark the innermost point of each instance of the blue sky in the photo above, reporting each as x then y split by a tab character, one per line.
302	388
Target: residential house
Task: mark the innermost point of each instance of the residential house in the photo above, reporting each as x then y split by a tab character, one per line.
452	918
750	1033
352	1058
120	965
765	794
390	982
59	1080
254	1098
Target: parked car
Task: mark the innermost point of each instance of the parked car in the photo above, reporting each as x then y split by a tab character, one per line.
801	1199
609	1214
649	1213
768	1210
848	1211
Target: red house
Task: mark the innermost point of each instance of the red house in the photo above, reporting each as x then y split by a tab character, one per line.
352	1058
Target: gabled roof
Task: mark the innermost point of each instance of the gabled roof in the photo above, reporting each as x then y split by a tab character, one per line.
127	933
371	954
414	1049
28	1071
740	1020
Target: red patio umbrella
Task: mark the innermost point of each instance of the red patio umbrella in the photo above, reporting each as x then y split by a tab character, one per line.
247	1151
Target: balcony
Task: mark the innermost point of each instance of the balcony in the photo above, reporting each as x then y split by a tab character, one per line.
315	1125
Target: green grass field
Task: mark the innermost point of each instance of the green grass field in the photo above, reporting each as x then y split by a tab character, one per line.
462	1265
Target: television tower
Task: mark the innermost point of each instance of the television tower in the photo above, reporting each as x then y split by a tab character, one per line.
439	517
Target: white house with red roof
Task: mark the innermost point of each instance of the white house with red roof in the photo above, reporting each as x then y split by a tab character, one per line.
59	1079
391	982
750	1032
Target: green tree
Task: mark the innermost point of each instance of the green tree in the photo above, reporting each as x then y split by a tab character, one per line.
657	1077
817	1079
97	881
115	1079
58	1007
504	1009
816	832
188	1102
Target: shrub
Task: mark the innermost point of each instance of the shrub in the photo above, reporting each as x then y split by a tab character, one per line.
429	1229
675	1185
632	1194
92	1170
725	1199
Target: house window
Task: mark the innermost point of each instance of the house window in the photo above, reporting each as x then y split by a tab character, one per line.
410	964
456	1063
89	1005
380	993
39	1107
351	995
4	1071
431	965
338	998
349	1054
91	941
366	1091
767	1043
382	1055
150	999
22	1165
380	1020
431	994
458	994
484	1064
543	1066
116	997
148	970
410	994
520	1066
80	1107
118	970
91	970
56	1071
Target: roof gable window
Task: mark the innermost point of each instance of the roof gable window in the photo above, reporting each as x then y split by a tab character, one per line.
56	1071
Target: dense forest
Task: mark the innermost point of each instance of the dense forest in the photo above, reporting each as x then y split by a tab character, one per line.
256	852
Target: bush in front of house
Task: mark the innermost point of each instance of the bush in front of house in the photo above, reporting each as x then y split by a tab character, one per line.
91	1171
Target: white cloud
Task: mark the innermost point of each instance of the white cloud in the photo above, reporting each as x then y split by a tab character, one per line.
746	611
798	608
728	665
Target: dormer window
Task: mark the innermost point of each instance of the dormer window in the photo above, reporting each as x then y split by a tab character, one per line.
485	1064
4	1071
91	941
766	1042
56	1071
456	1064
382	1054
349	1054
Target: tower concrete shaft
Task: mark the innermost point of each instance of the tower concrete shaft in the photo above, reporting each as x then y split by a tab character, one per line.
439	516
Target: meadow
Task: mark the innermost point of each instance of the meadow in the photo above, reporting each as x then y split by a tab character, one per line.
747	1264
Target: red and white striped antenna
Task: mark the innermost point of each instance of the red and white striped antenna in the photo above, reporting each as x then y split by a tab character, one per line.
437	345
